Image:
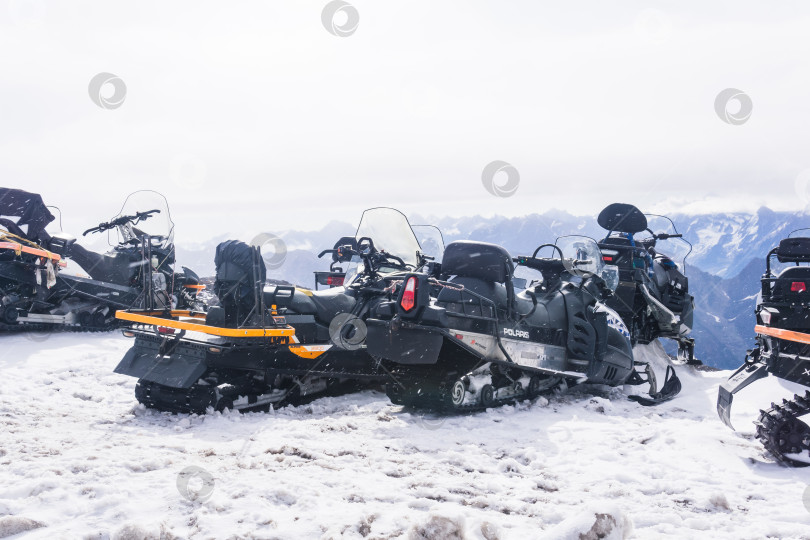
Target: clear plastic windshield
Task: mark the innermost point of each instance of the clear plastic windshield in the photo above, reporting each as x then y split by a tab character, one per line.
581	255
390	231
158	225
677	249
430	240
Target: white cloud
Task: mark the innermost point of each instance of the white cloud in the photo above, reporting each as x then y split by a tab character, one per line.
288	126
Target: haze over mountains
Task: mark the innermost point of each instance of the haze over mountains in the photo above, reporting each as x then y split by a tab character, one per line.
724	266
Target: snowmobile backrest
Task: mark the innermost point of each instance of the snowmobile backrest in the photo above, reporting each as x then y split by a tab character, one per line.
479	260
235	281
623	218
793	250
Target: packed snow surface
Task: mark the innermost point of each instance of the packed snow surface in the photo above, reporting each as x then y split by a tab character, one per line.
79	458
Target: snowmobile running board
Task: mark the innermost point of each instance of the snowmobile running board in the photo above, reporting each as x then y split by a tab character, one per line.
150	318
19	248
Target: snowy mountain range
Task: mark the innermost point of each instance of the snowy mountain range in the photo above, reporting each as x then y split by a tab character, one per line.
724	266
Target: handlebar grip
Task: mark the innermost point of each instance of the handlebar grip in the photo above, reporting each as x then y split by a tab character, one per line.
324	252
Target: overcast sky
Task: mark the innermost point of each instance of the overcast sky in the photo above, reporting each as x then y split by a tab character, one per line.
252	116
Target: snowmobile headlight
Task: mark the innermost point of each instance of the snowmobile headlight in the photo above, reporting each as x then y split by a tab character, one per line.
215	350
610	273
128	333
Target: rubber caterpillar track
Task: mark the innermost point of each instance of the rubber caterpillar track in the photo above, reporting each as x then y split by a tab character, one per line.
782	431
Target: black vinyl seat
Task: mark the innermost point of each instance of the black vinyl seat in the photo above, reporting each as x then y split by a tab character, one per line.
480	267
324	305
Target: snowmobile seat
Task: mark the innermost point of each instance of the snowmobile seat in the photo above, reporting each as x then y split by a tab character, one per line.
483	268
324	305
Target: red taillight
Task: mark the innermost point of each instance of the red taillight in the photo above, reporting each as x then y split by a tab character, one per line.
607	259
334	281
798	286
409	294
164	330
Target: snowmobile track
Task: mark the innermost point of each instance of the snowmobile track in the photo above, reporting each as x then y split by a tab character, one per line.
781	430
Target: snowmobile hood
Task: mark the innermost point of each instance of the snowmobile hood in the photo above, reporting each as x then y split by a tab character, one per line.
622	217
25	210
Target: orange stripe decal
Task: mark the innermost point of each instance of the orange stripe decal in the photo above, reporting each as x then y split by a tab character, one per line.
780	333
309	351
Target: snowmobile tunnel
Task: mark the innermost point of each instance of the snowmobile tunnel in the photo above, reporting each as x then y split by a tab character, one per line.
622	217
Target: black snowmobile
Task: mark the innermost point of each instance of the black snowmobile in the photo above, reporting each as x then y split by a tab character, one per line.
653	294
270	345
783	350
490	332
45	296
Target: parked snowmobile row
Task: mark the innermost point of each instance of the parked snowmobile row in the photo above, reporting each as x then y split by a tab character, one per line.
37	292
445	330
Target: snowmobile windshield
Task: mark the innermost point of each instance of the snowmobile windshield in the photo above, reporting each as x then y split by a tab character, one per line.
391	232
581	255
430	240
158	225
677	249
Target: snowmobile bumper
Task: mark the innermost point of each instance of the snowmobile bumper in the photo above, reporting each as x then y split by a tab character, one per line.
745	375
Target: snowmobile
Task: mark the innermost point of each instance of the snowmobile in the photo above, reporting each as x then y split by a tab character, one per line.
783	350
38	294
268	346
489	332
653	294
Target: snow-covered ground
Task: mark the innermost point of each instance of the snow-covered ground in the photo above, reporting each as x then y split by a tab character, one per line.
80	459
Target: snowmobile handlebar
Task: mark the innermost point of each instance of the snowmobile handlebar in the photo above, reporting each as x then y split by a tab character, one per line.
123	220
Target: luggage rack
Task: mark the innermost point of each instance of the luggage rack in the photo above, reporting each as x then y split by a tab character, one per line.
19	249
185	320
